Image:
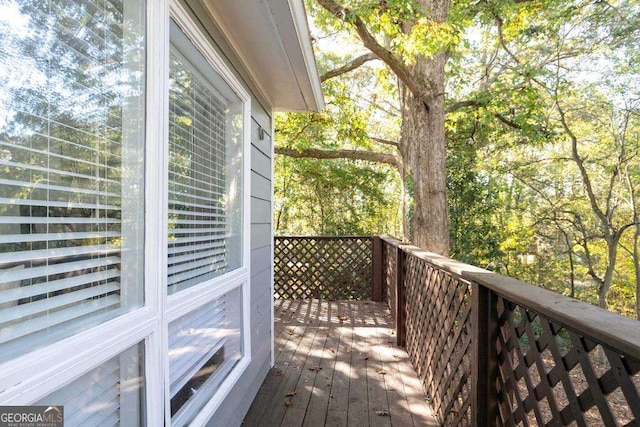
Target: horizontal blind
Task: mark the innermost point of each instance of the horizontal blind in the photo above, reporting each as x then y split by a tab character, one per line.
108	395
193	339
71	81
197	177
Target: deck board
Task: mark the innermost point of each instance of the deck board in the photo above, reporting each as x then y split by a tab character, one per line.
337	365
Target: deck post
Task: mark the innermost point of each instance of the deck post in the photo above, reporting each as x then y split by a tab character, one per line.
484	366
401	260
376	269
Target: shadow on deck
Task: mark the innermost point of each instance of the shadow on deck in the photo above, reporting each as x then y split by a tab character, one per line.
337	364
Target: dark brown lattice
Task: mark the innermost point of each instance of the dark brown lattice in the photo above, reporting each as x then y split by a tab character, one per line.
323	267
549	375
438	310
389	260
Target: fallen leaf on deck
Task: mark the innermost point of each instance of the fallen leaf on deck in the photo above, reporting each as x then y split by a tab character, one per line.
316	369
381	372
290	332
288	403
366	358
343	318
382	413
278	373
291	393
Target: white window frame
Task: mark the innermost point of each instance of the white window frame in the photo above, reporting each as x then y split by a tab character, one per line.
192	298
38	373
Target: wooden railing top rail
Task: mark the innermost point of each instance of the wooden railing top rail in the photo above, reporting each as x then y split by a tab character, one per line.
604	327
341	237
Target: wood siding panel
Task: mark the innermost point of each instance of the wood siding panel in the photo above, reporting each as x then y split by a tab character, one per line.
260	186
260	285
260	162
260	235
260	259
260	211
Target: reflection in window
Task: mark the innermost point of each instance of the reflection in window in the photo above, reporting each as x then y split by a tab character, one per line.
205	174
71	153
110	394
204	345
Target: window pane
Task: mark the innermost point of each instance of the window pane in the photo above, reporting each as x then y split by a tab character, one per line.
205	169
204	345
111	394
71	167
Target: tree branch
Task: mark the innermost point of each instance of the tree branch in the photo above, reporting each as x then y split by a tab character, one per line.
474	103
349	66
384	141
463	104
586	180
315	153
507	122
370	42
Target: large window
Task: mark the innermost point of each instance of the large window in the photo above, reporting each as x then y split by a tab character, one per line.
123	257
205	169
205	226
71	149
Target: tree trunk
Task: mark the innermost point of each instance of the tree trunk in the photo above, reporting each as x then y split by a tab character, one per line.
636	264
607	281
423	153
422	144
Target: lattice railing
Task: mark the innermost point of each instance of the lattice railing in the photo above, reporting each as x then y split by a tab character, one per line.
323	267
491	350
389	278
553	375
438	310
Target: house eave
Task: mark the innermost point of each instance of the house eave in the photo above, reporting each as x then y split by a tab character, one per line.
272	38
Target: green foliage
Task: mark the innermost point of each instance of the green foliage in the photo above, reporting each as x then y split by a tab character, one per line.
334	197
528	67
472	199
523	79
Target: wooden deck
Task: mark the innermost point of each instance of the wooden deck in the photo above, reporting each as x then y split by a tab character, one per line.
337	364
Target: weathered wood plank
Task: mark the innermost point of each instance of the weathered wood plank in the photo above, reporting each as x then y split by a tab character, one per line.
362	370
301	392
379	413
399	409
321	394
336	419
290	376
288	343
358	398
339	397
